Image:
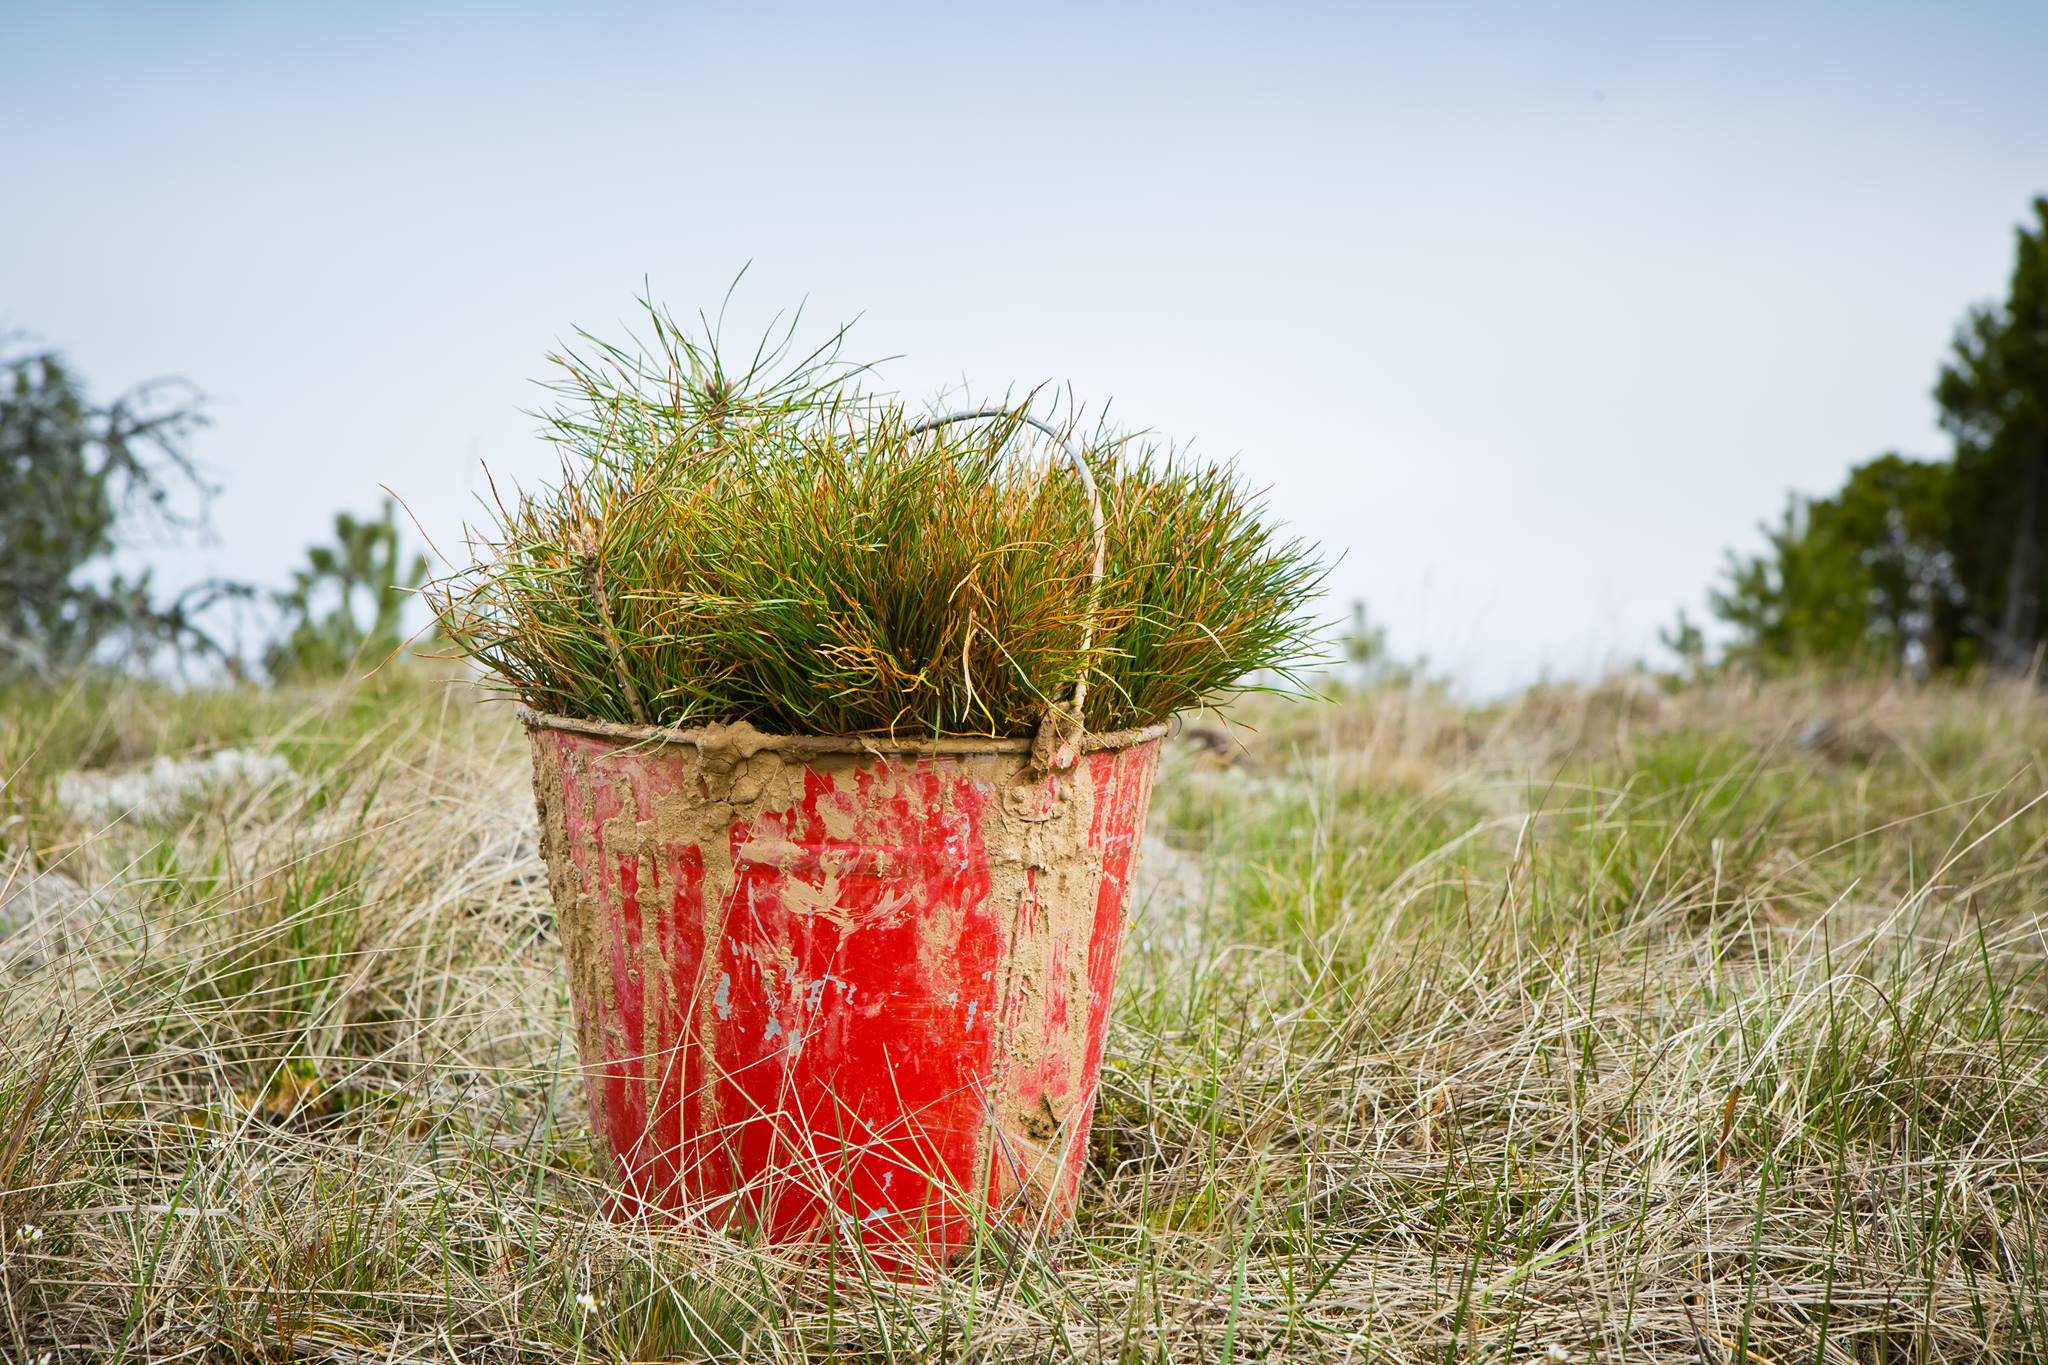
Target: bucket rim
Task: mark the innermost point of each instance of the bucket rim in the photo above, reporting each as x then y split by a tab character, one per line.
742	734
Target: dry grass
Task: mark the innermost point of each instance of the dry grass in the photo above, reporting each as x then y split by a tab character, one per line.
1604	1025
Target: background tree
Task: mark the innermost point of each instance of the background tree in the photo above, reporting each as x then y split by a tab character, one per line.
365	568
1863	576
1994	400
1931	563
77	482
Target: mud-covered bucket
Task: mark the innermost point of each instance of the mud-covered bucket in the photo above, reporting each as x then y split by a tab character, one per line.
831	984
826	983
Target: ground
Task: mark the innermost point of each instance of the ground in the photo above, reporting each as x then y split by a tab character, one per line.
1628	1023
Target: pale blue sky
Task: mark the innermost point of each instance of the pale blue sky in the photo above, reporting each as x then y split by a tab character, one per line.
1527	311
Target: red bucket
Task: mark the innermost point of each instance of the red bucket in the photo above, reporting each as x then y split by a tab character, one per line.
838	983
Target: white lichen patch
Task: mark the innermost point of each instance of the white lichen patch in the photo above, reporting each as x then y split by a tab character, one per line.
167	786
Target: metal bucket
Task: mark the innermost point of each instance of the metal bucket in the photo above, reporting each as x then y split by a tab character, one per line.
839	983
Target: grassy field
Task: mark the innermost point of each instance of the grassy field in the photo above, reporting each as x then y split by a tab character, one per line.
1599	1025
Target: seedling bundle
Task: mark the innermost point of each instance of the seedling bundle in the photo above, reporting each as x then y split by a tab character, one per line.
775	542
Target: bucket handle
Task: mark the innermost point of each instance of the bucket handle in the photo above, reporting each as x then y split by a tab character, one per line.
1058	744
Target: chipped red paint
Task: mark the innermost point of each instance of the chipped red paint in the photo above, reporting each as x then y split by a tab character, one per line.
875	986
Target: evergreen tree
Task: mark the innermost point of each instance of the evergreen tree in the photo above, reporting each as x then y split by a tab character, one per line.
79	480
1865	575
1994	400
1933	564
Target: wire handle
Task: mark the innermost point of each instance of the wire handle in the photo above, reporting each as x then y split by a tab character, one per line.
1058	744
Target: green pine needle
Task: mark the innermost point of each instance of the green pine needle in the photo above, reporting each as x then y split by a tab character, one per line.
775	543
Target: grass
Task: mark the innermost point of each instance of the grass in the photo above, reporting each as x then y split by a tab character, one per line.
1602	1024
774	543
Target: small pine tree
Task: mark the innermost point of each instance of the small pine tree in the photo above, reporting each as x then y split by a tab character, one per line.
365	568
